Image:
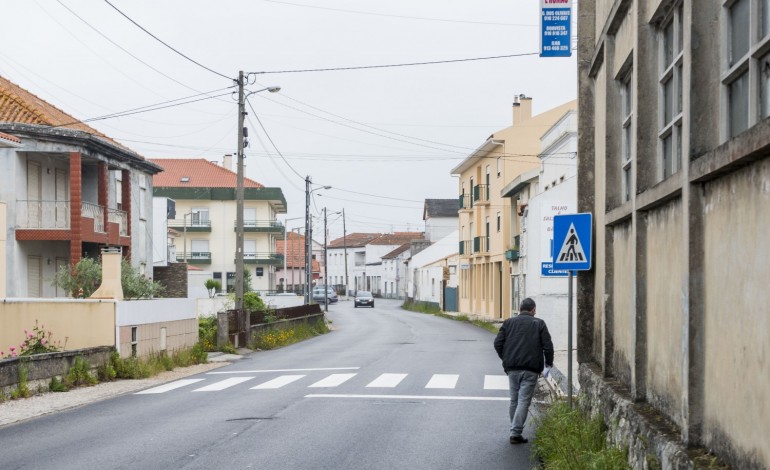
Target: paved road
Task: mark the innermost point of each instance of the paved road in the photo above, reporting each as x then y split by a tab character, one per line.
387	389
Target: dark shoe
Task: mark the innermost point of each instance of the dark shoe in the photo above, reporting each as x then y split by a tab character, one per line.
519	440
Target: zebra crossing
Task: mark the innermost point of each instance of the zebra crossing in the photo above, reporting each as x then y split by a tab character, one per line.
256	380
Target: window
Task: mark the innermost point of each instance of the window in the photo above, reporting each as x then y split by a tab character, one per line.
499	166
498	222
746	78
260	271
670	95
249	249
627	114
200	216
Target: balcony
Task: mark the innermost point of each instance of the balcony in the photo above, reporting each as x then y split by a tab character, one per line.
465	248
95	212
481	194
480	245
47	215
190	226
261	226
270	259
115	216
194	257
466	202
512	254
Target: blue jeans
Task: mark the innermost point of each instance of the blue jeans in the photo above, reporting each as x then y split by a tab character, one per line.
522	387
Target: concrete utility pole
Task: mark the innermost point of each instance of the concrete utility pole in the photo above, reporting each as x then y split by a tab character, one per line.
345	242
308	256
239	203
326	268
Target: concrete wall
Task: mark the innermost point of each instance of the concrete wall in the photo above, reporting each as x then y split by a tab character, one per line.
75	324
623	313
150	326
3	249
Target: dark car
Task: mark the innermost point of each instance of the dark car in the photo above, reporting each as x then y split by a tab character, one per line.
363	299
318	295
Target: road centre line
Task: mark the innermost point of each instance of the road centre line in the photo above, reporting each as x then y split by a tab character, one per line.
408	397
280	370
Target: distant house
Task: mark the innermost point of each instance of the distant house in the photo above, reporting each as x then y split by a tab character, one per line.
70	191
292	279
441	217
394	272
205	196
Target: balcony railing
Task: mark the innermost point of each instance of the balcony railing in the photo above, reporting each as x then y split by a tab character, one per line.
264	226
119	217
481	193
190	225
272	259
50	215
465	201
466	248
96	212
195	257
480	244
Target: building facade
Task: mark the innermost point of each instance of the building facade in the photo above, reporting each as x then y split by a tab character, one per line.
205	196
70	191
486	227
674	139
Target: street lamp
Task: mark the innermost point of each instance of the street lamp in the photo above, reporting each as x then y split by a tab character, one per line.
309	238
239	191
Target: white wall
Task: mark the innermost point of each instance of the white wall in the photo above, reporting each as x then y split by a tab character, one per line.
160	231
437	228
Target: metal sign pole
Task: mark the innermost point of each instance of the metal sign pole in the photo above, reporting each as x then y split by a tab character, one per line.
569	339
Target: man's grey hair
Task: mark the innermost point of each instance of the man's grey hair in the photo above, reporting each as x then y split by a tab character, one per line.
527	305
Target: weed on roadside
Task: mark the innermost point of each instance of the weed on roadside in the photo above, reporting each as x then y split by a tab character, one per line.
430	309
275	337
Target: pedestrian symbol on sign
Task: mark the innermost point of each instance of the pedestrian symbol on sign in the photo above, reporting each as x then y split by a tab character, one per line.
571	250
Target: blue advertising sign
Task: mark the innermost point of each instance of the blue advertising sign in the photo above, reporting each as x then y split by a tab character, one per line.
555	28
546	270
572	242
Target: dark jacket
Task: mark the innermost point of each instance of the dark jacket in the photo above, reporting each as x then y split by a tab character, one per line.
522	342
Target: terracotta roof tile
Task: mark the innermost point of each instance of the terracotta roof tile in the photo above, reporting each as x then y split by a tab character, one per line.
9	138
20	106
397	238
295	244
397	251
354	240
201	173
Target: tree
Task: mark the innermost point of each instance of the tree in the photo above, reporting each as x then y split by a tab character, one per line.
213	286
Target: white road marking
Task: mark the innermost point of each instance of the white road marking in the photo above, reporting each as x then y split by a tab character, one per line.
407	397
278	382
169	386
495	382
333	380
280	370
443	381
223	384
387	380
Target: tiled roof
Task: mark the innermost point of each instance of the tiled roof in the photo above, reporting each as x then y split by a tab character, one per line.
397	251
20	106
9	138
354	240
440	208
397	238
199	172
294	251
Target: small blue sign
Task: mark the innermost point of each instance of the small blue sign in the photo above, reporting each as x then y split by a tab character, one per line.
572	239
546	270
556	28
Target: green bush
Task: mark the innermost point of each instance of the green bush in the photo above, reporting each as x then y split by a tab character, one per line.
57	385
253	302
22	388
80	374
207	332
275	338
567	439
83	280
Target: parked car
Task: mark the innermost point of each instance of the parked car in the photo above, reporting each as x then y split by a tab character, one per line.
318	295
364	299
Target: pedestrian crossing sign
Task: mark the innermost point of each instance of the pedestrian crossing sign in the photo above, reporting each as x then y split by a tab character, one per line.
572	242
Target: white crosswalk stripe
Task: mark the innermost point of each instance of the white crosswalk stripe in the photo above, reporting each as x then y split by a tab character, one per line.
278	382
443	381
333	380
495	382
223	384
387	380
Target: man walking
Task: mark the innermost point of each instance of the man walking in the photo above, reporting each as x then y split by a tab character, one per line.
524	345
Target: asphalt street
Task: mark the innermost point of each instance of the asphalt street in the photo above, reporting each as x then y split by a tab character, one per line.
386	389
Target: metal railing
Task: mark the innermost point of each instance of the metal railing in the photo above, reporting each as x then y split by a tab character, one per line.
96	212
481	193
260	226
465	247
119	217
480	244
263	257
194	256
42	214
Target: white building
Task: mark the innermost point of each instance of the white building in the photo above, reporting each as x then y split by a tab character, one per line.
440	216
433	269
394	272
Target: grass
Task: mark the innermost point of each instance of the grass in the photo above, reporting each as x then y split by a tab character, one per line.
422	307
568	439
277	337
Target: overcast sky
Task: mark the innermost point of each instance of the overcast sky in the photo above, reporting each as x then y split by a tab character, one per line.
384	138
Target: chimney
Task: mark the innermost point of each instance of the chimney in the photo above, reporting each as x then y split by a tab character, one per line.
522	109
111	287
227	162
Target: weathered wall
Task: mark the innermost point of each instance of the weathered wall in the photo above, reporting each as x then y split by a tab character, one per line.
623	305
174	279
663	315
161	325
75	324
600	258
737	294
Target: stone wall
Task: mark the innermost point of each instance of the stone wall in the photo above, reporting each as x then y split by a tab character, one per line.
174	279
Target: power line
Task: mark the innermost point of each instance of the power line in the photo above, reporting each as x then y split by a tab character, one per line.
164	43
409	64
271	140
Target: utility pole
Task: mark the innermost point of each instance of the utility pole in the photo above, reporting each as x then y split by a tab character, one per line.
239	206
345	242
326	267
308	255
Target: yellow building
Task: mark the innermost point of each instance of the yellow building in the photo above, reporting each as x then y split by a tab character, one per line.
487	222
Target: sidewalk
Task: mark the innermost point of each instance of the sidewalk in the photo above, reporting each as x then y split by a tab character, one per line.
14	411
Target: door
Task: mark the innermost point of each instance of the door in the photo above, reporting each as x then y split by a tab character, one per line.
61	263
34	195
34	276
62	196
